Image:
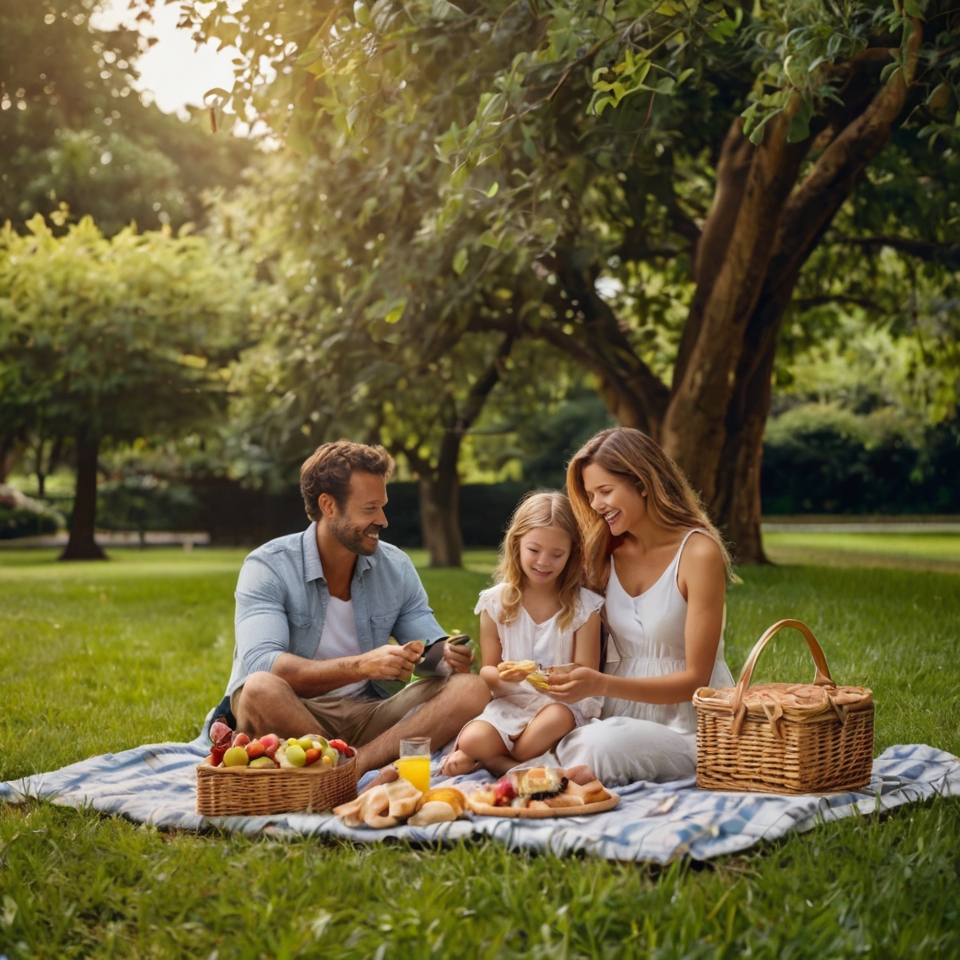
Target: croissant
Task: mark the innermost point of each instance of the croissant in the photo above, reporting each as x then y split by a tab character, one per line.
516	670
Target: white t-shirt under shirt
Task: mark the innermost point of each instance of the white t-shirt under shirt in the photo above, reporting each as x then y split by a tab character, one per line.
339	639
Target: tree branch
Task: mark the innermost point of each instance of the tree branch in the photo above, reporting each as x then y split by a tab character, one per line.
947	254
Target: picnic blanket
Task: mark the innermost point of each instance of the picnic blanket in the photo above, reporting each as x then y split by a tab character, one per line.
156	784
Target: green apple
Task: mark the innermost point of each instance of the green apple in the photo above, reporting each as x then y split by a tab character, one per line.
306	743
236	757
261	763
295	754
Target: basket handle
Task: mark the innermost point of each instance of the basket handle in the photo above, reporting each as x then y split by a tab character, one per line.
822	677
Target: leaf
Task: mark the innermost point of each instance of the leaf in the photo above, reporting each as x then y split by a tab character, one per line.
394	315
217	92
492	192
489	239
530	148
444	10
460	261
912	9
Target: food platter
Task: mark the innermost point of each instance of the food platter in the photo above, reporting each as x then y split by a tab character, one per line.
522	813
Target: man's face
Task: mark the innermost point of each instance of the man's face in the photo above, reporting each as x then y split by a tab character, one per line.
357	526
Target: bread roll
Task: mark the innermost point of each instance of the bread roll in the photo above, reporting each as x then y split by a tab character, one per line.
403	798
434	811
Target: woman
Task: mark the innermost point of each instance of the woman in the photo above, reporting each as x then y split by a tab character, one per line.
652	550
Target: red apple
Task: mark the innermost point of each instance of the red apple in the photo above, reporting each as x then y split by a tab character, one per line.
503	793
340	745
255	749
241	740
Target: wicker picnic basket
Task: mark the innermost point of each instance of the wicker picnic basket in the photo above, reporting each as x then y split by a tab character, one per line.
784	737
242	792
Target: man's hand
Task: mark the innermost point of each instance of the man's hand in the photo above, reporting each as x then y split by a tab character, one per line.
390	662
458	657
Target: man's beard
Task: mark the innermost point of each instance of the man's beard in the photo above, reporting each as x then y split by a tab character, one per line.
354	538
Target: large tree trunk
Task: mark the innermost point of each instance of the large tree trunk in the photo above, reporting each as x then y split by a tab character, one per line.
764	223
82	545
440	507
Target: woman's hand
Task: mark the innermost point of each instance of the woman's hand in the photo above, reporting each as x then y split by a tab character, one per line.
578	684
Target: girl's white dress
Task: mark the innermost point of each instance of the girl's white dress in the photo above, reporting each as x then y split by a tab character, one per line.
545	643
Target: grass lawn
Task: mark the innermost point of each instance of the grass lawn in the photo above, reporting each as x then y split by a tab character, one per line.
101	657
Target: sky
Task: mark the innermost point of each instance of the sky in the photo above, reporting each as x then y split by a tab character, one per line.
173	71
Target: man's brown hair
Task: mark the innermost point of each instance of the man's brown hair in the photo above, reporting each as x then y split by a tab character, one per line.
329	468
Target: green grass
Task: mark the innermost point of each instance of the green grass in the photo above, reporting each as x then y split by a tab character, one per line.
100	657
933	551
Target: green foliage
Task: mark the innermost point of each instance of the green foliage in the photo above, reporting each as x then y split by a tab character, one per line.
136	652
822	458
22	522
123	337
74	134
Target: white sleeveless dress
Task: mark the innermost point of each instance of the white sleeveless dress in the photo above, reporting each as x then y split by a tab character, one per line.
634	740
548	645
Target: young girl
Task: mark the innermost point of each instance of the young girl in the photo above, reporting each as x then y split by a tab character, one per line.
537	611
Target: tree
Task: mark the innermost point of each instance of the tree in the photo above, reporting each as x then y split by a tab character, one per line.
718	141
74	133
104	341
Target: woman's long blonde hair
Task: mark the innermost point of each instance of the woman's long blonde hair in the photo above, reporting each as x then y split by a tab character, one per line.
534	512
633	456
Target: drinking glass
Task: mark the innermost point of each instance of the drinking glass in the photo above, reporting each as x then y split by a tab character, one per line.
414	762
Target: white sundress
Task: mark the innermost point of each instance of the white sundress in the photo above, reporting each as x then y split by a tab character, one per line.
635	740
545	643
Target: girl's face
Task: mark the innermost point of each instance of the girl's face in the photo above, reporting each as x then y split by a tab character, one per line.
616	499
544	552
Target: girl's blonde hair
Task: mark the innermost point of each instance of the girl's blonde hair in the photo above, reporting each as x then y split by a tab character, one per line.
536	511
633	456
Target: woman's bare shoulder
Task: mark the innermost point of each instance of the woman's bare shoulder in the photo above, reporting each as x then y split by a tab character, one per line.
701	555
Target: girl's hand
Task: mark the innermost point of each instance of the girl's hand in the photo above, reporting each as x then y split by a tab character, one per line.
576	685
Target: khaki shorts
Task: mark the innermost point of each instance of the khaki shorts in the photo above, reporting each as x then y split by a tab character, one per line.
360	721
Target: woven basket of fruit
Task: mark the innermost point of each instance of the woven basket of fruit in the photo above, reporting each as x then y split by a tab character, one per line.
250	778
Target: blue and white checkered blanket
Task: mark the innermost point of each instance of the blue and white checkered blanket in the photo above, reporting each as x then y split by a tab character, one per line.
157	785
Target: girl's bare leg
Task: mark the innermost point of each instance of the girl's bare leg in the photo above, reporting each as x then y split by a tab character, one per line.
478	743
544	732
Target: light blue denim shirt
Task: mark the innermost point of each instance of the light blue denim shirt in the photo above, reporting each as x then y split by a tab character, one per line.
282	599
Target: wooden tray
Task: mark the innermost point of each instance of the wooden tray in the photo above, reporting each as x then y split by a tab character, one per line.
484	810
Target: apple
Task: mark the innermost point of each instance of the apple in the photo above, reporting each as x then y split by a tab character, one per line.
296	755
306	743
240	740
503	793
236	757
270	743
340	745
262	763
255	748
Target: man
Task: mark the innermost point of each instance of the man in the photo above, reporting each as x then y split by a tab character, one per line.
314	615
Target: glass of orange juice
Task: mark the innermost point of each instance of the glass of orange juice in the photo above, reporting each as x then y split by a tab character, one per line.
414	762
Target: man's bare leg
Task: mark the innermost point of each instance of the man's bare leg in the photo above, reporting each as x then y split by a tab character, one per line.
463	697
267	704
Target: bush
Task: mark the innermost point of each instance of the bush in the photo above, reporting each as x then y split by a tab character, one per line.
821	458
22	517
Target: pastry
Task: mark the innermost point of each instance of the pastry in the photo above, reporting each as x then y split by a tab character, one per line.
516	670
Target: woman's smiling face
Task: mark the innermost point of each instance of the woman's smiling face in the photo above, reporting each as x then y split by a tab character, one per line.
615	498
